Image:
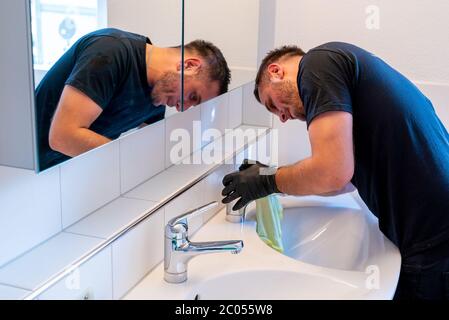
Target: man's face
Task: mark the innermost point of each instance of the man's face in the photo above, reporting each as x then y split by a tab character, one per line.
197	88
281	97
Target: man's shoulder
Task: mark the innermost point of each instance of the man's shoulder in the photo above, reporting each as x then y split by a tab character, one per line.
335	46
331	52
113	35
345	49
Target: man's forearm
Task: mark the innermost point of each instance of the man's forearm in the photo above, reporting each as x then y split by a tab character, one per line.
80	141
308	177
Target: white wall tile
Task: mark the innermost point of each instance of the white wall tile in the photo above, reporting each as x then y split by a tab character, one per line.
89	182
215	152
294	142
161	186
192	170
11	293
241	76
30	210
184	120
214	116
235	114
136	253
112	218
213	187
189	200
263	149
32	269
253	112
142	155
247	147
92	279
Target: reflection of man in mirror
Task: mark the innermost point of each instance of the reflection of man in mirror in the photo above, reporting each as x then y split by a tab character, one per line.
111	81
369	125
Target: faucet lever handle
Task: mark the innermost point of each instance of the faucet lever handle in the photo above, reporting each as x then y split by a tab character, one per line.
182	219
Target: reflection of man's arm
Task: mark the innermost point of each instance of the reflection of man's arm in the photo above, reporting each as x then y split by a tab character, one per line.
69	132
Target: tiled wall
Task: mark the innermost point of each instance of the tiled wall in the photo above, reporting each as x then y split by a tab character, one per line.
116	269
35	207
38	207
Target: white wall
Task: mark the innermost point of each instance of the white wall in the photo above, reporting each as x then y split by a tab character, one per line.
412	37
233	26
158	20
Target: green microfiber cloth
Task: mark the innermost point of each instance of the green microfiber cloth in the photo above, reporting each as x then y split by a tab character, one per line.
269	214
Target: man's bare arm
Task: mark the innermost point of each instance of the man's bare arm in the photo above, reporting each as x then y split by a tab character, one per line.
69	132
349	188
331	166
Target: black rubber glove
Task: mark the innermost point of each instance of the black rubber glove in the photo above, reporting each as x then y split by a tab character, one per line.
252	182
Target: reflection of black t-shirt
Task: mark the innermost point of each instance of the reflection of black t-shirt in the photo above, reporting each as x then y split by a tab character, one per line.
401	147
108	66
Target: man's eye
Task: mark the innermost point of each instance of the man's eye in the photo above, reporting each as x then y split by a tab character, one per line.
193	97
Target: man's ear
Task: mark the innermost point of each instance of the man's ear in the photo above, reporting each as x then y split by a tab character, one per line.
191	65
276	72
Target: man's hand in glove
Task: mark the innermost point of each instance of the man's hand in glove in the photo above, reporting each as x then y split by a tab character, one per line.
251	182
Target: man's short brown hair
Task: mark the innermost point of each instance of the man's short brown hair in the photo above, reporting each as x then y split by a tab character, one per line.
272	57
217	67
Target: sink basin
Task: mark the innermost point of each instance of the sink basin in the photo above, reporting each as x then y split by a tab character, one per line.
327	236
333	250
273	285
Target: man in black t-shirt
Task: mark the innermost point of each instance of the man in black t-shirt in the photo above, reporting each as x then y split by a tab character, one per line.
367	125
111	81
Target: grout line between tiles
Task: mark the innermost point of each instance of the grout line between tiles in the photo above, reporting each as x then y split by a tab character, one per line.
60	196
143	277
241	108
134	198
120	166
13	286
112	271
84	235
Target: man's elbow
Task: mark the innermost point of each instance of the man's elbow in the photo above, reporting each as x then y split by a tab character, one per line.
57	141
337	180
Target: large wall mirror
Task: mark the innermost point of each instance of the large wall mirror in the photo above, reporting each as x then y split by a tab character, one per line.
105	68
102	69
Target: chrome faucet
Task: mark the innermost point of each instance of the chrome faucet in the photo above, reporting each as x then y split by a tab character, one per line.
235	216
179	250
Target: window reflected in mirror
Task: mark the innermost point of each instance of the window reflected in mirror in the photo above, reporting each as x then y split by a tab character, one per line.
57	25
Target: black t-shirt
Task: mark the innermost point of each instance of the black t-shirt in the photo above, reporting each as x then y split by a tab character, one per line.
401	147
109	66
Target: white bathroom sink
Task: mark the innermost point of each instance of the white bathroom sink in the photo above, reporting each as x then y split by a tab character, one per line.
333	250
273	285
340	237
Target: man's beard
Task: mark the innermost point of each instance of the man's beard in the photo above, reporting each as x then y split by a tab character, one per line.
168	84
288	93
